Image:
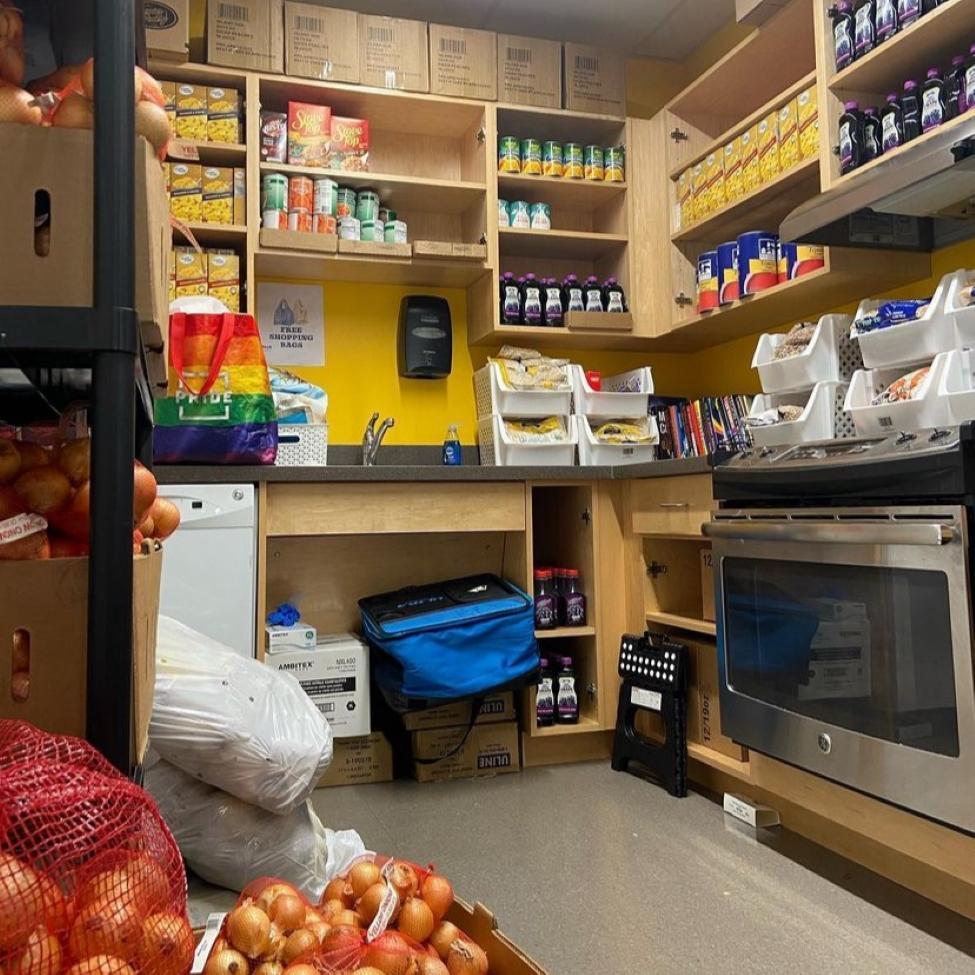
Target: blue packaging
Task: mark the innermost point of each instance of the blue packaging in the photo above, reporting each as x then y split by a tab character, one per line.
758	262
728	287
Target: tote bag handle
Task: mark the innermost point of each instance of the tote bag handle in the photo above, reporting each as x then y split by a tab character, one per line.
177	339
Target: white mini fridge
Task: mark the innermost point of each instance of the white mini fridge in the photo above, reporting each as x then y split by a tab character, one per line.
209	578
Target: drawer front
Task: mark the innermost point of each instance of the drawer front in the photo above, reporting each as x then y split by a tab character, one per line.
359	509
671	505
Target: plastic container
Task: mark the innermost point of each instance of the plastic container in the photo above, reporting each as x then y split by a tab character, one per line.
957	386
302	445
592	453
608	403
728	272
960	315
498	450
493	396
708	292
758	262
822	416
821	360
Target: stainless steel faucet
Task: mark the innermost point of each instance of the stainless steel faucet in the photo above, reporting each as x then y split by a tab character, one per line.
372	439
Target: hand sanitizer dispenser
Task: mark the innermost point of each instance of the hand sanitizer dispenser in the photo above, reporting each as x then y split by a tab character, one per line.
425	337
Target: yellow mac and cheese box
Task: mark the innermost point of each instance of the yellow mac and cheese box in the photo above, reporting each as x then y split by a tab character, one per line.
684	198
223	115
768	148
186	191
788	135
223	279
714	181
734	186
698	196
191	273
218	195
751	178
808	110
191	113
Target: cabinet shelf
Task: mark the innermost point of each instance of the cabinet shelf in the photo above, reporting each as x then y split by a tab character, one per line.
681	622
207	153
561	125
567	244
718	760
565	632
585	726
573	194
218	234
542	337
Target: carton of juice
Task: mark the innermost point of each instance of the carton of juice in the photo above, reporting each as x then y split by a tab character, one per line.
684	198
714	181
240	196
191	113
186	191
699	201
751	178
808	111
308	133
768	148
218	194
223	115
348	147
734	185
789	135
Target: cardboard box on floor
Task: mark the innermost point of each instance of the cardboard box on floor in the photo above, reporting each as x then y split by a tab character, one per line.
393	53
529	71
489	749
496	707
167	24
463	62
49	600
359	761
321	43
594	80
504	956
246	34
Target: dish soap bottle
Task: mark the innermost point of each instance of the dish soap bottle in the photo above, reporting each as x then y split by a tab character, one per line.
613	297
573	299
531	301
452	453
891	124
545	697
911	111
553	304
885	20
933	108
566	699
851	137
842	15
863	27
871	134
593	294
510	300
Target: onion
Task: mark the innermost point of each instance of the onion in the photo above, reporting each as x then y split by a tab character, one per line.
226	962
74	458
15	106
101	965
20	686
21	661
143	493
275	944
362	876
271	892
269	968
248	930
443	937
368	971
166	946
390	954
329	909
438	893
404	878
42	955
150	883
75	112
466	958
21	901
312	916
429	965
152	122
107	926
416	920
342	946
73	518
288	912
33	455
44	489
341	890
319	929
368	904
10	461
301	970
298	943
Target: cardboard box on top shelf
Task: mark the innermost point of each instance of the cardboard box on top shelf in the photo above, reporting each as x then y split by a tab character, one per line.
529	71
167	25
594	80
494	708
463	62
393	53
321	43
489	749
246	34
359	761
707	585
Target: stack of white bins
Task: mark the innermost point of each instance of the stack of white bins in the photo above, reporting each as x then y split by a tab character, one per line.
496	402
814	379
622	397
941	340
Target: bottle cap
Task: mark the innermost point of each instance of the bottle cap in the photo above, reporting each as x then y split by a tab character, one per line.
844	7
934	73
529	276
851	106
543	573
957	60
572	573
870	110
565	661
910	85
543	662
610	281
892	97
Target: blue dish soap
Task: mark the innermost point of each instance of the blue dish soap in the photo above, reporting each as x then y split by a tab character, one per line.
452	453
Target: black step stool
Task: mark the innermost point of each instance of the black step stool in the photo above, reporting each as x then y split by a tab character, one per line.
654	672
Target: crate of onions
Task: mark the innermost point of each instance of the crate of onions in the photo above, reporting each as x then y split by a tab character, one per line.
384	916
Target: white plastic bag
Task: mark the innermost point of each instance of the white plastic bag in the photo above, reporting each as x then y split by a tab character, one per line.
229	843
235	723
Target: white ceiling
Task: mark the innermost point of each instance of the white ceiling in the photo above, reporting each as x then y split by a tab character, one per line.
668	29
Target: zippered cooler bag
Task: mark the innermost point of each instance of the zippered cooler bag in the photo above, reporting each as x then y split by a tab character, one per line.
452	639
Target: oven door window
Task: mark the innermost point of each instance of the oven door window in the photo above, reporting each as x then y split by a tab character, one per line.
864	648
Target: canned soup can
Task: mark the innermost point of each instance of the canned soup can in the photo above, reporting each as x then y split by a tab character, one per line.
519	214
707	281
614	164
301	193
503	213
349	228
552	159
367	205
326	196
509	154
300	221
274	192
540	216
324	223
593	163
758	264
531	157
572	164
345	202
795	260
728	272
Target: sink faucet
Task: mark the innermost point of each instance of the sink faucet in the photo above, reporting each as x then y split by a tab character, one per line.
372	439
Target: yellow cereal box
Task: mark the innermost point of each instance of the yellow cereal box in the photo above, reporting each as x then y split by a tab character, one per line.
684	198
191	113
223	269
734	185
169	93
229	294
750	177
698	196
240	196
223	115
191	266
714	180
788	135
218	194
808	111
768	148
186	191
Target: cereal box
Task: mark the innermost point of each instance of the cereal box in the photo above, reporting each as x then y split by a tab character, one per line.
223	269
684	198
734	185
169	94
698	195
308	133
191	113
808	111
714	181
750	176
223	115
348	147
186	191
218	194
191	265
788	135
768	148
274	137
240	196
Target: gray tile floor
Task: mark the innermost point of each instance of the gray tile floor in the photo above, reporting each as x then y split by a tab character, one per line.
592	870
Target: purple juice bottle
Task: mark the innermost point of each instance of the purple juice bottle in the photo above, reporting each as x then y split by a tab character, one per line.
566	695
955	87
545	696
510	300
911	110
531	301
573	601
891	124
546	602
933	107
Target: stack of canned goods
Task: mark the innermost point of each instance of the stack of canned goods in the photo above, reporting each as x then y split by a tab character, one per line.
524	215
570	160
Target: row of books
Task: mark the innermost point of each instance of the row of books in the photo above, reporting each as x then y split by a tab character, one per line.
697	428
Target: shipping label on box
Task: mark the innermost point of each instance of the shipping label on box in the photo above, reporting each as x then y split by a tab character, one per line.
167	25
594	80
218	194
308	134
751	176
463	62
186	191
359	761
246	34
191	112
489	749
789	135
808	110
223	115
768	148
321	42
393	53
529	71
495	707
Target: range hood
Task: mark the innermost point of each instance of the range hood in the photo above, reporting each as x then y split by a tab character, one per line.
920	199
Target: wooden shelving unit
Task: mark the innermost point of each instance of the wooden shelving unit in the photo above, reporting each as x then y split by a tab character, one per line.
565	633
585	726
218	234
208	153
559	244
574	194
682	622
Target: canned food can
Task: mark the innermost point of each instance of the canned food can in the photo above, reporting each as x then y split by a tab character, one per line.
274	219
367	230
758	262
519	214
326	196
593	163
707	281
728	272
531	157
385	215
367	205
614	164
572	165
552	159
795	260
349	228
324	223
274	192
540	216
503	213
344	202
395	232
300	221
509	154
301	194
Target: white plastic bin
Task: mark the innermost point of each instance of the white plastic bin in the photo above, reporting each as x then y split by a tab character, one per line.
608	402
927	409
909	343
957	387
302	445
962	317
592	453
823	416
498	450
492	395
829	357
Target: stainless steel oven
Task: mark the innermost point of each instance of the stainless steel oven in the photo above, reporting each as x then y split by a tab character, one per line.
845	645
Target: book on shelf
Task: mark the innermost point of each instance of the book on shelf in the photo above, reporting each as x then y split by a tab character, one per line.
701	427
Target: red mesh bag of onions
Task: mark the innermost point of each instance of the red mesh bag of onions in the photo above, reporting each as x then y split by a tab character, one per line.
21	742
91	880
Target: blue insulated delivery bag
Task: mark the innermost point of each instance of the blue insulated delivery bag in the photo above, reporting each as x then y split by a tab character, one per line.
452	639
